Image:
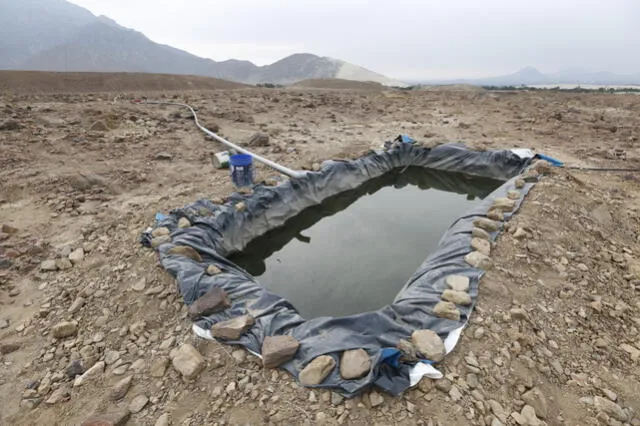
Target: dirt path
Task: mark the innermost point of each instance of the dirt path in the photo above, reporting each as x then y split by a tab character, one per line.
556	325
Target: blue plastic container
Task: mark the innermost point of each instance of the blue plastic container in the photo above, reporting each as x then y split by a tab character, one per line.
241	168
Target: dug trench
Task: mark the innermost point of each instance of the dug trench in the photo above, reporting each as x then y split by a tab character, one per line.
569	260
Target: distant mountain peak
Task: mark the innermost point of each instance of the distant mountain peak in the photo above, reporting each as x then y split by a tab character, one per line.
529	72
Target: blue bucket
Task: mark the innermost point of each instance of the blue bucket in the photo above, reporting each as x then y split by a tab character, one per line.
241	167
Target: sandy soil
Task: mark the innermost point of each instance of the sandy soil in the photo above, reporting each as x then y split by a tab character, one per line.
556	325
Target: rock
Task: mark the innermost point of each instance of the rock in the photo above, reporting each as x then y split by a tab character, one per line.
513	195
520	233
76	256
632	351
496	215
240	207
375	399
64	329
213	270
214	300
537	400
140	285
608	393
61	394
455	394
48	266
443	385
138	403
158	241
183	222
478	260
527	417
429	344
609	407
91	373
317	370
531	175
8	347
159	367
483	246
75	368
447	310
185	251
258	139
277	350
457	282
121	388
354	364
160	232
99	126
63	264
239	355
457	297
4	323
77	304
163	420
30	403
409	353
336	398
519	183
114	417
472	380
233	328
187	361
480	233
486	224
497	410
120	370
504	204
10	125
542	166
8	229
164	156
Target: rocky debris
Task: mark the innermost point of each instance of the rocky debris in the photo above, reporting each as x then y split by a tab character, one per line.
187	361
537	400
158	241
520	233
527	417
121	388
113	417
163	420
240	207
185	251
10	125
239	355
486	224
233	328
457	282
160	232
478	260
354	364
64	329
447	310
74	369
159	367
258	139
140	285
48	266
59	395
317	370
429	344
482	246
63	264
498	410
99	126
504	204
164	156
8	347
138	403
277	350
92	373
375	399
480	233
633	352
519	183
183	222
457	297
609	407
409	352
76	256
214	300
213	270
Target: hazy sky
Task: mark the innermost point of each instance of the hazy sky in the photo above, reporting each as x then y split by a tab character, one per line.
404	39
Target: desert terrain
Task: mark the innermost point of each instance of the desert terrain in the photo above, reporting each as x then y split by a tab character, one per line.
83	171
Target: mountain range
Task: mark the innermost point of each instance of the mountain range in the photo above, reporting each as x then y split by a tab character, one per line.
530	76
56	35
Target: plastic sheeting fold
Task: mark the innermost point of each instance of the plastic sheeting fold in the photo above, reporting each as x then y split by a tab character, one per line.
220	230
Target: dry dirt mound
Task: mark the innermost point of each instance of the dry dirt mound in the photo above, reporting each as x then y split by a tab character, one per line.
79	82
452	88
337	83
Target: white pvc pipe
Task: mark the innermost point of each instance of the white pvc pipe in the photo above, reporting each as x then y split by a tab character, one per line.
282	169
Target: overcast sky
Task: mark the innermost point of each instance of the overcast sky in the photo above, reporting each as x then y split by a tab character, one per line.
405	39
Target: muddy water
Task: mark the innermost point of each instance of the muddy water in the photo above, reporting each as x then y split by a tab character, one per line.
355	251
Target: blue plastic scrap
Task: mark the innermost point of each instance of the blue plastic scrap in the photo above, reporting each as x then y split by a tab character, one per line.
553	161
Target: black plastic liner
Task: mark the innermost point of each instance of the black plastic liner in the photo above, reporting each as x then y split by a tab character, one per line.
220	230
